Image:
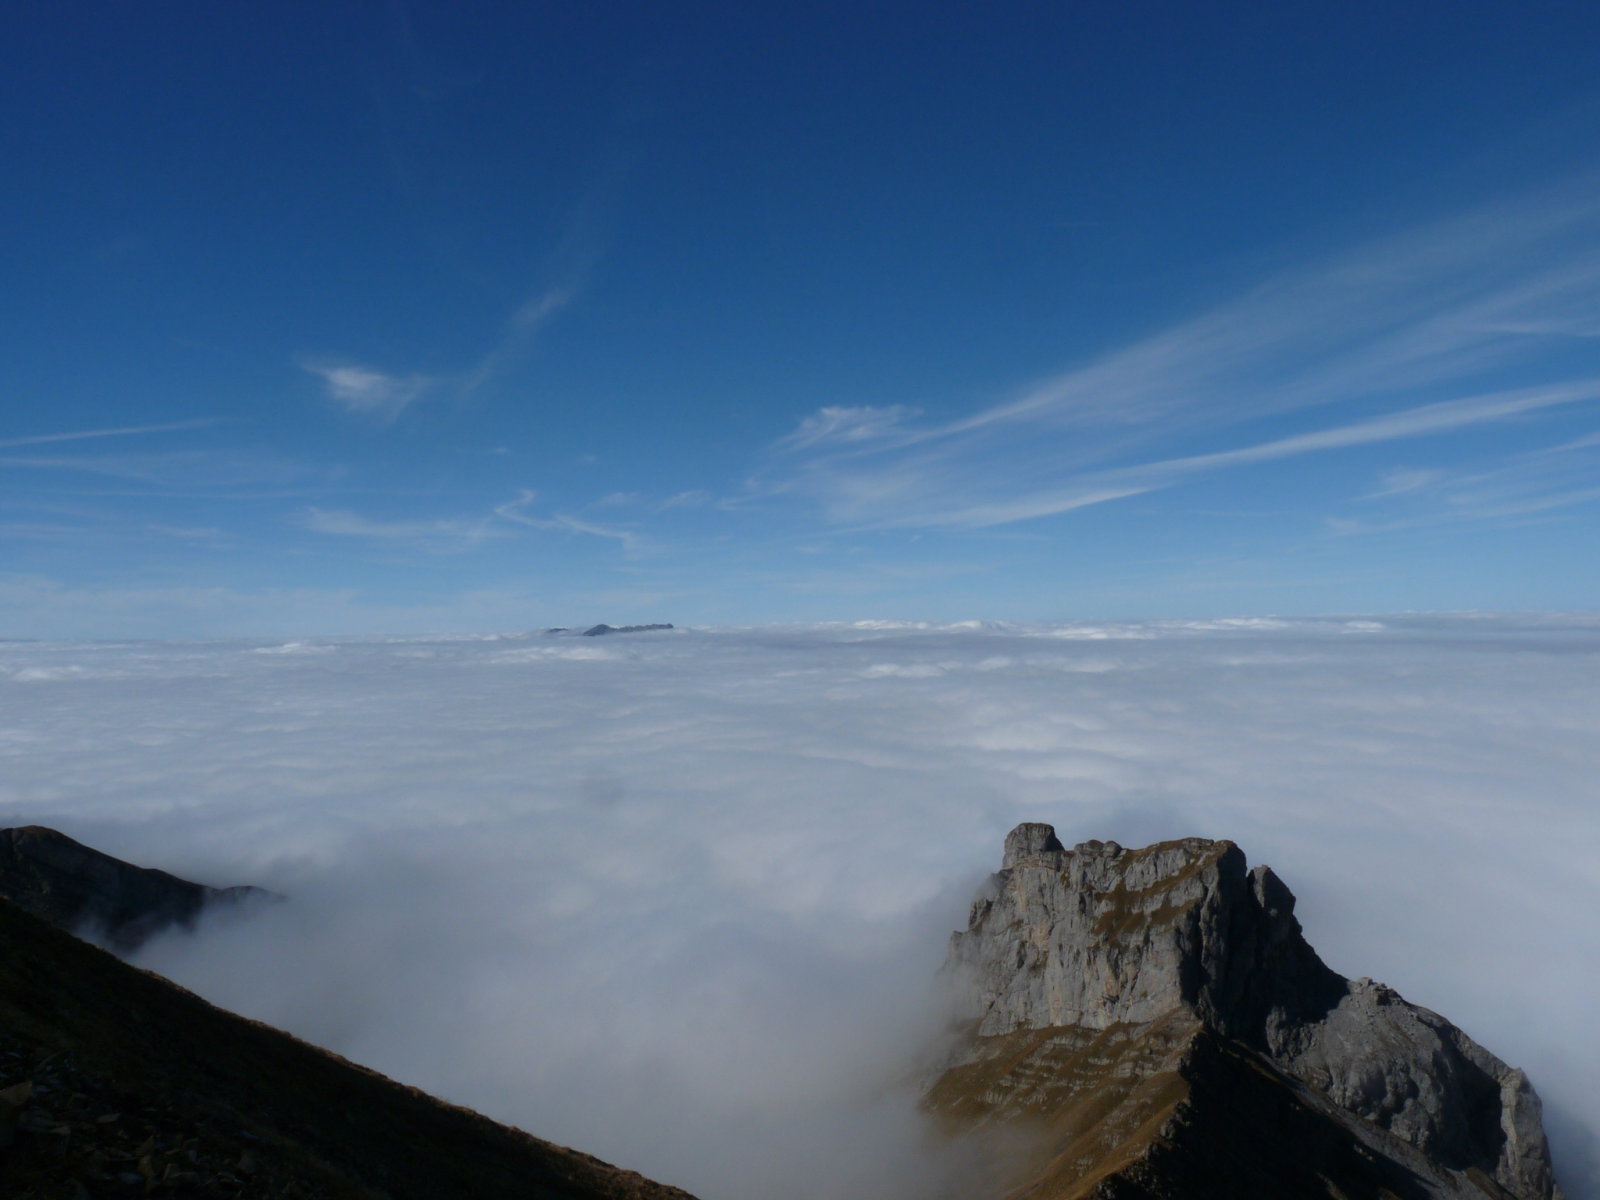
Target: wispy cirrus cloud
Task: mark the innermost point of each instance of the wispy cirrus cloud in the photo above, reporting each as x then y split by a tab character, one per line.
383	396
842	425
455	533
435	532
525	322
174	472
1100	487
117	431
368	392
517	512
1528	485
1404	327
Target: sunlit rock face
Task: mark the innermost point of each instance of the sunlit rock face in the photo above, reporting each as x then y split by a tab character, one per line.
1106	991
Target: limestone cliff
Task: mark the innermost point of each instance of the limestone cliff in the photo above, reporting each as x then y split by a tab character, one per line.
1119	1002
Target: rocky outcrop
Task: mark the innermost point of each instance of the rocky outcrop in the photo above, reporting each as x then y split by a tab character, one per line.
1106	994
80	889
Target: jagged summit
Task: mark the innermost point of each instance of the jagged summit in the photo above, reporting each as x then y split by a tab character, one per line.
1109	990
1030	840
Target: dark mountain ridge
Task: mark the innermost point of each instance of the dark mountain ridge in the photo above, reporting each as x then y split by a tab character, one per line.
78	888
115	1082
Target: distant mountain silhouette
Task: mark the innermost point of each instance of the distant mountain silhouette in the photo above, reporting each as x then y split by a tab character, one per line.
600	630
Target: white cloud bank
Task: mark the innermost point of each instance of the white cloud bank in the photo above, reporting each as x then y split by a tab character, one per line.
677	898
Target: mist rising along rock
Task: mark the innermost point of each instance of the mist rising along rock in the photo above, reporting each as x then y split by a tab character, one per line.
1152	1023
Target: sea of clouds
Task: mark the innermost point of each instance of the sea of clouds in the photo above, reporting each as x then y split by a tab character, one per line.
678	898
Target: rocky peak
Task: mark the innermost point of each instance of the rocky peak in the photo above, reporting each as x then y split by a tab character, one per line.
1029	841
1107	934
1184	935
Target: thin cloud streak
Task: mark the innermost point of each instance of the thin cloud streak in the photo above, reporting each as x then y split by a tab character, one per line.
844	425
205	472
430	533
1391	324
1100	488
1431	418
516	512
343	523
1530	484
123	431
528	319
369	392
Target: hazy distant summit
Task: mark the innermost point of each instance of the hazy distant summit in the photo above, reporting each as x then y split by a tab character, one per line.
1154	1024
603	630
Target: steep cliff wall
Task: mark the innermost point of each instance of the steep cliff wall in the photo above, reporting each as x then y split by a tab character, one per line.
1176	957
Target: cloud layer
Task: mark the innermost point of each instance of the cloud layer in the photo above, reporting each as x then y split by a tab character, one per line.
677	899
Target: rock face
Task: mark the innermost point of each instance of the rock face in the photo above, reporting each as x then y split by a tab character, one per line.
75	887
1158	1009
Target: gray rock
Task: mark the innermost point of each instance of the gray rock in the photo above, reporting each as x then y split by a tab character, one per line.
1101	936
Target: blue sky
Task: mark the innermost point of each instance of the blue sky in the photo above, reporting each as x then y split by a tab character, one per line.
421	317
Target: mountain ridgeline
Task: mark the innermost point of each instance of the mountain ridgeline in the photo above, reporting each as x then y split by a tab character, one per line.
115	1082
1152	1024
77	888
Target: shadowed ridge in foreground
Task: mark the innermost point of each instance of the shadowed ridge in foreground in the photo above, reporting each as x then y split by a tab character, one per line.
115	1082
1151	1023
75	887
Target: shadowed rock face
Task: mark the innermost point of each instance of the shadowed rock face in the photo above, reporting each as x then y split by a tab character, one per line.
76	888
1118	1001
